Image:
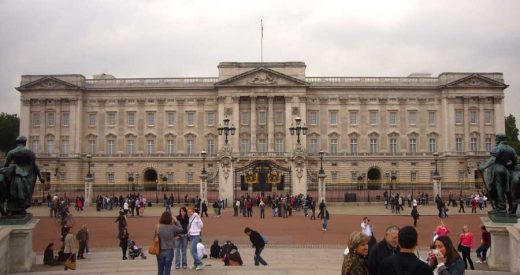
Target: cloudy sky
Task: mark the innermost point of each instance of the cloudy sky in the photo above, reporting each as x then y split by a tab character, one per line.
189	38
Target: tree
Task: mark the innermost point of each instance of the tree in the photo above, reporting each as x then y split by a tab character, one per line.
512	133
9	131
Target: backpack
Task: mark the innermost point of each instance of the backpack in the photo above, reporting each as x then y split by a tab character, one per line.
264	239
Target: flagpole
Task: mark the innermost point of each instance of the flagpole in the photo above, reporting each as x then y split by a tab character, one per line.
261	40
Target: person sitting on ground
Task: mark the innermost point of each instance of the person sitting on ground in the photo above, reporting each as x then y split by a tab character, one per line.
405	262
215	250
48	256
201	250
354	262
383	249
231	256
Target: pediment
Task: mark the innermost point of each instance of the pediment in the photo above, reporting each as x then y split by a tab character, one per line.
48	83
261	77
475	81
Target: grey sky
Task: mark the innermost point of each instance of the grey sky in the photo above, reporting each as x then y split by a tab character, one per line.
189	38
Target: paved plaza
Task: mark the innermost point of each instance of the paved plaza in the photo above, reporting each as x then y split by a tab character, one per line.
297	245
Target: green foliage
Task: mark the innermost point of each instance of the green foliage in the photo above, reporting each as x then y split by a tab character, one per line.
512	133
9	130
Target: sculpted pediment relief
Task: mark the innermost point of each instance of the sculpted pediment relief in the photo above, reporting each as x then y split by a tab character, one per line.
49	83
475	81
262	77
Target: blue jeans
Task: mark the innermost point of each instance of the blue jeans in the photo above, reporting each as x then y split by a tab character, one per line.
325	223
194	240
257	257
482	249
181	245
164	262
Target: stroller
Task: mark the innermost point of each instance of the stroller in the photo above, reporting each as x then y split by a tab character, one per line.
134	251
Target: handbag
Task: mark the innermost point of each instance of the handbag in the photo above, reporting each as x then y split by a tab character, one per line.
71	262
459	247
155	247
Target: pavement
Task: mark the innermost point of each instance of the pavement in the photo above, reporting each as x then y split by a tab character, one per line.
297	245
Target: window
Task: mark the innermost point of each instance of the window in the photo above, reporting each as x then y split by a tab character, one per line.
244	118
353	145
353	176
210	119
333	119
433	145
261	118
110	177
190	146
412	117
130	146
36	119
111	146
373	118
35	144
50	145
91	120
189	177
488	145
413	145
50	119
334	176
150	145
393	145
170	146
92	145
211	146
170	118
150	118
474	144
170	176
262	145
190	118
333	145
392	117
244	145
313	118
353	117
432	118
473	117
313	146
64	145
278	118
111	118
459	116
279	146
373	145
488	117
131	119
462	175
413	176
65	119
459	145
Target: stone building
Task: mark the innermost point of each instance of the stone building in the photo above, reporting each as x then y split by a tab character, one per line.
373	130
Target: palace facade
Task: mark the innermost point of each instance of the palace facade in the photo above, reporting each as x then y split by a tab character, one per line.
152	130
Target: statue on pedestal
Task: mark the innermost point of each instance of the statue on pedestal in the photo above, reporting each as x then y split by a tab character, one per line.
502	180
17	180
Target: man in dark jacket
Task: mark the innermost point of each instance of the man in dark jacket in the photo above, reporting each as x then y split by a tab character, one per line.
383	249
405	262
258	243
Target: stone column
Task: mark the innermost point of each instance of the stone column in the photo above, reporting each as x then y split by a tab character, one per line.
270	125
322	190
203	190
499	115
88	191
253	124
466	139
437	189
25	118
235	121
226	177
221	101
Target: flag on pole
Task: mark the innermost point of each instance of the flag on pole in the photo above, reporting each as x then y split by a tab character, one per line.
262	27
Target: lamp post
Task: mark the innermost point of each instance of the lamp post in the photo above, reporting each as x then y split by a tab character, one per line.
203	177
387	175
89	160
226	129
321	176
436	178
298	129
88	181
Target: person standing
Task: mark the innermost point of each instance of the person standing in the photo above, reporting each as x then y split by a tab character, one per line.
82	237
204	209
167	228
123	242
325	219
121	221
354	262
445	258
194	229
262	209
181	240
442	230
313	209
235	208
415	215
383	249
461	204
258	243
485	243
466	242
69	245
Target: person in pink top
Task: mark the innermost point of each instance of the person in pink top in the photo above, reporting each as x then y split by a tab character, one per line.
466	243
442	230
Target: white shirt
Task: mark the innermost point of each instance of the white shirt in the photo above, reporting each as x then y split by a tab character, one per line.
195	225
125	205
201	250
366	229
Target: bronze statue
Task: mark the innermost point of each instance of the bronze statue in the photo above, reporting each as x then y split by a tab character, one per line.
499	179
17	180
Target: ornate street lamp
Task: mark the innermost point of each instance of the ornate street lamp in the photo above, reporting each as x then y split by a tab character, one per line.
298	129
321	162
436	175
203	177
89	160
321	176
226	129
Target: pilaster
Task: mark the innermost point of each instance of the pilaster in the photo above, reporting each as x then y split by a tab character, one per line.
270	125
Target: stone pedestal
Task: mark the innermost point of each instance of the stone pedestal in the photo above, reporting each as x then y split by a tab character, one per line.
505	245
225	180
16	249
89	193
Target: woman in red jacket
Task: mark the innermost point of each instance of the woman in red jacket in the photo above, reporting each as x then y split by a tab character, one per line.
466	243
